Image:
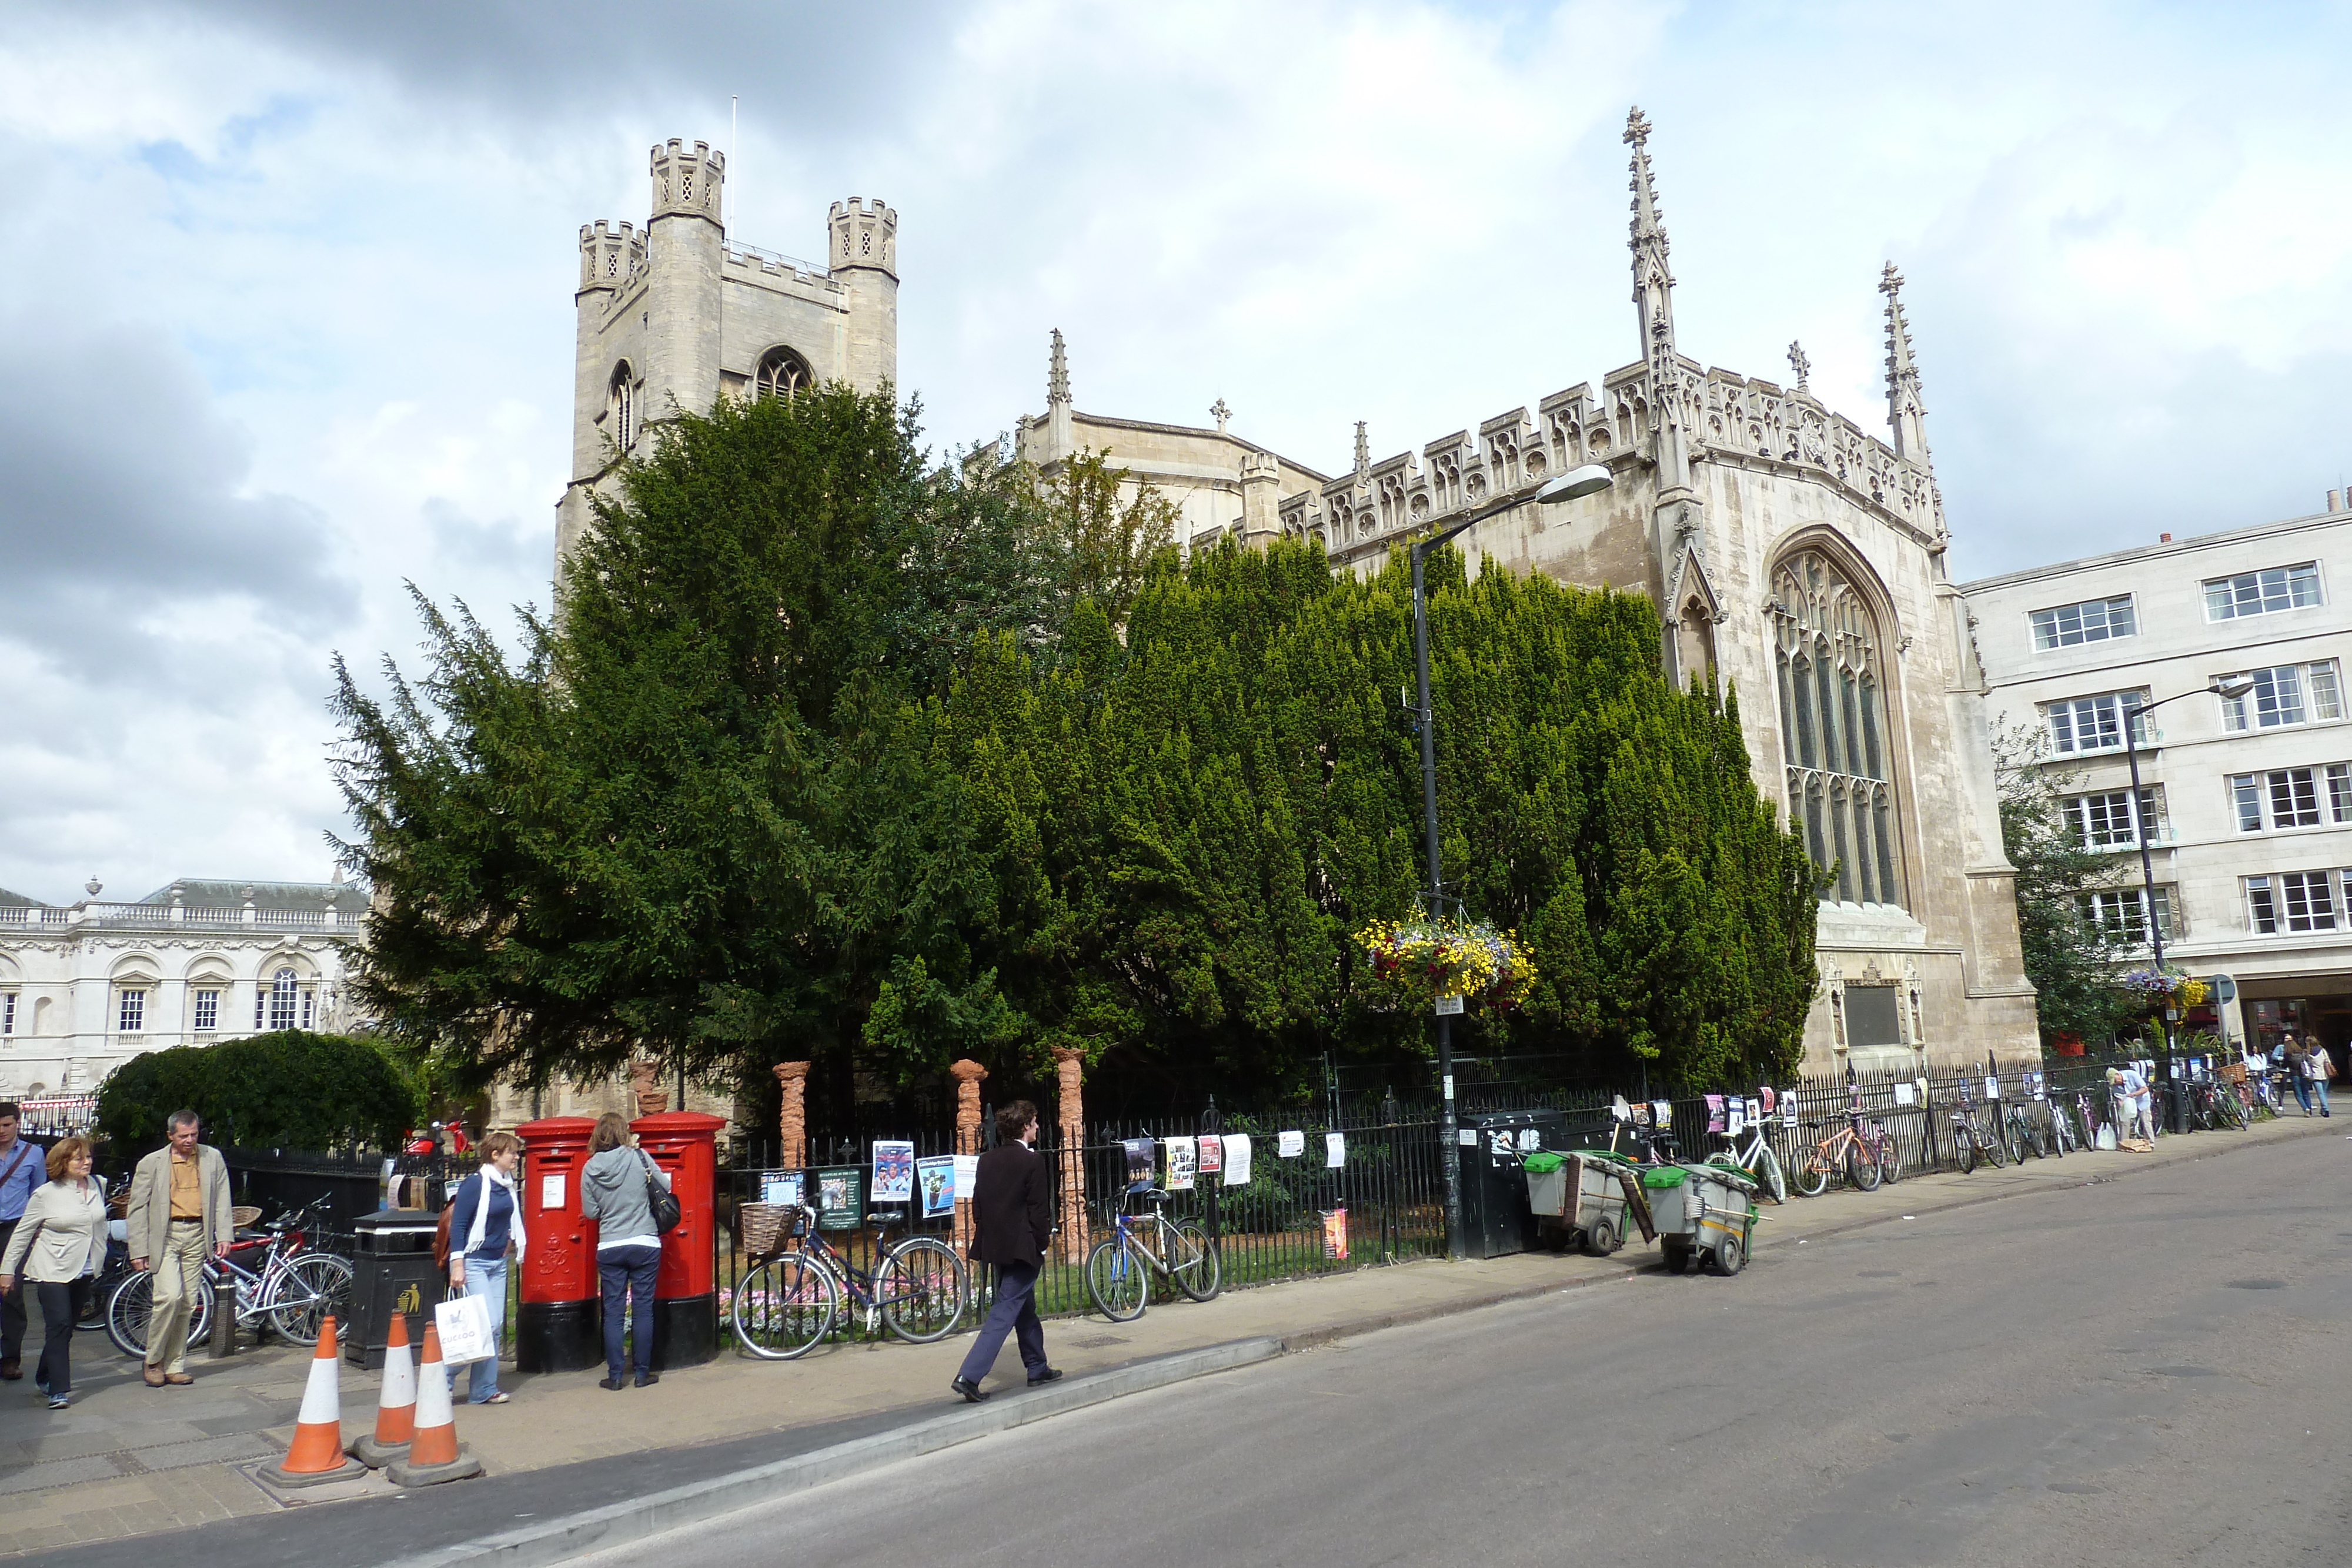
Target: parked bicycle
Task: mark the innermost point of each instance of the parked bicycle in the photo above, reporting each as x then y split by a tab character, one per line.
1749	1150
791	1298
116	1267
1969	1137
2020	1134
283	1286
2062	1141
1860	1148
1120	1266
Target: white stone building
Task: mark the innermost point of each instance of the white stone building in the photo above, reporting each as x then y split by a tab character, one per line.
2247	804
86	987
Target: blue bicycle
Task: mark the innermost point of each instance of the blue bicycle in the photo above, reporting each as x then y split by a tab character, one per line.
1120	1266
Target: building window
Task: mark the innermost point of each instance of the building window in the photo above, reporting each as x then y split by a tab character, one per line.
2105	821
7	1012
782	374
2291	901
131	1018
2283	695
2094	723
2122	914
281	1000
2291	797
2092	621
1833	728
2261	592
621	403
207	1012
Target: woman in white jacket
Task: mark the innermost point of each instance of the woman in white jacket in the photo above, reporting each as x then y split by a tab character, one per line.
57	1246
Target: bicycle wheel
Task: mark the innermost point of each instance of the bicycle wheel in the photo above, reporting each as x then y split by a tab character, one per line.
921	1289
1118	1279
132	1303
315	1286
1769	1172
1890	1158
785	1307
1964	1148
2038	1140
1813	1175
1995	1151
1193	1263
1862	1165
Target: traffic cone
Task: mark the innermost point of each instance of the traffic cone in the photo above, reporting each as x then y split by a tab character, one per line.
395	1406
316	1454
434	1454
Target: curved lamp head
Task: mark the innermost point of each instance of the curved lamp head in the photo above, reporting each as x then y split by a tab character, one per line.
1589	480
2232	690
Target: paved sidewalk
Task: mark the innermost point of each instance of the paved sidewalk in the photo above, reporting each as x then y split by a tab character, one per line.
128	1460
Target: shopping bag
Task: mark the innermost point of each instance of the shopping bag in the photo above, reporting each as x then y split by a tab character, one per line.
464	1322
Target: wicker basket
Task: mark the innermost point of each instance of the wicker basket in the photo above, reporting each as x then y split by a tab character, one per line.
767	1227
244	1217
2233	1071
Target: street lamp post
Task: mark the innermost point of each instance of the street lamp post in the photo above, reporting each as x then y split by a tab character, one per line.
1589	480
2231	691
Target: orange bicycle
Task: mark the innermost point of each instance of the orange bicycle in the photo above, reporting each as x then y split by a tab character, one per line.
1859	1149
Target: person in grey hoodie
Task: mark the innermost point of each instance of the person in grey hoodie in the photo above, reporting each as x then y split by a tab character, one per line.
613	1193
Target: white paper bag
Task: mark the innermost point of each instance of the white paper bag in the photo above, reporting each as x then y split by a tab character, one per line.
464	1322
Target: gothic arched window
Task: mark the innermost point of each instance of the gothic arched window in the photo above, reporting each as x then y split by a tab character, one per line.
620	401
782	373
283	988
1833	730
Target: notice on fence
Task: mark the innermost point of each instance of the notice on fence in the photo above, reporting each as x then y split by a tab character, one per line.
1213	1154
1290	1144
935	1179
841	1198
1334	1231
1335	1150
894	1171
1237	1159
1662	1111
2041	1090
1903	1094
1992	1088
966	1175
1140	1161
1735	1116
1181	1166
782	1187
1715	1113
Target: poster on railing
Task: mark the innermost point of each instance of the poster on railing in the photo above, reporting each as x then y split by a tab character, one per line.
1213	1154
1335	1150
782	1188
841	1198
894	1171
935	1180
1756	1109
1181	1166
1335	1232
1992	1088
1237	1159
1715	1113
1142	1158
1662	1111
1734	1113
2040	1092
966	1175
1903	1094
1290	1144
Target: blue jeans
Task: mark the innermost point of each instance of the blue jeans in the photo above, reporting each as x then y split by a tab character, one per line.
2319	1092
2302	1090
485	1276
628	1274
1014	1312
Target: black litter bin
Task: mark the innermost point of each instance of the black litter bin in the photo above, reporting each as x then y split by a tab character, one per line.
1496	1219
393	1273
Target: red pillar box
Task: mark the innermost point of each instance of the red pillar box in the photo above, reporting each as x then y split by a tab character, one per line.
686	1294
558	1327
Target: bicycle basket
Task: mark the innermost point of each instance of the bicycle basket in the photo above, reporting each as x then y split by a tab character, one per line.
767	1227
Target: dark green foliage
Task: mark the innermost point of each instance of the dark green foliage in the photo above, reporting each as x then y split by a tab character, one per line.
285	1089
2070	960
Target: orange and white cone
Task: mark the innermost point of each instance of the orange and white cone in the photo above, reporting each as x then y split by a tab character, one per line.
316	1454
434	1453
396	1405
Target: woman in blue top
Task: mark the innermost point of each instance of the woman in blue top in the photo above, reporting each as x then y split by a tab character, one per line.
484	1220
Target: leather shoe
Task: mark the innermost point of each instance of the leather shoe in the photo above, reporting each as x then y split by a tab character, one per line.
969	1389
178	1379
615	1383
11	1370
153	1377
1051	1375
645	1378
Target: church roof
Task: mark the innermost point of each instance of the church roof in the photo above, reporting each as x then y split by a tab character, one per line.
1210	431
199	893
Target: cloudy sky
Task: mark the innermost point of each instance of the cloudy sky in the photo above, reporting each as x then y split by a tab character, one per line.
289	322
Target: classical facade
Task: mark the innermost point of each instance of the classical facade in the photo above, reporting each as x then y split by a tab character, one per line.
1795	557
671	317
87	985
2245	805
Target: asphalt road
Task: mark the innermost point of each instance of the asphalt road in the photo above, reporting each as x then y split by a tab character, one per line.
2151	1369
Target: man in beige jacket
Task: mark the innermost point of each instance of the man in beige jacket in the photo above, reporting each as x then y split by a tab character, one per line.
179	1212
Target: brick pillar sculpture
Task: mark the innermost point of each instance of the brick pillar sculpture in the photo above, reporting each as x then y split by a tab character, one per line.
1070	1065
967	1074
644	1090
794	1126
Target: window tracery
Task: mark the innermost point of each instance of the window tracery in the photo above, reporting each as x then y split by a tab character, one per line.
1835	735
782	374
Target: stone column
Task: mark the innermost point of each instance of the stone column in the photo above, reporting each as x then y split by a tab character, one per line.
1070	1065
794	1126
967	1074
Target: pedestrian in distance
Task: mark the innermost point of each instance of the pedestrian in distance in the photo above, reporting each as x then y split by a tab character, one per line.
487	1218
21	1172
56	1245
2321	1063
2297	1057
179	1215
616	1191
2135	1108
1012	1225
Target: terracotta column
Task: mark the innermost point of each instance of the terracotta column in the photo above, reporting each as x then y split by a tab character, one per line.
967	1074
794	1076
645	1090
1070	1066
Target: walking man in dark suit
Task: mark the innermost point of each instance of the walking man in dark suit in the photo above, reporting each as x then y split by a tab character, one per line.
1012	1223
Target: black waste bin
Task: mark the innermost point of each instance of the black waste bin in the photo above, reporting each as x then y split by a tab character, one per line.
393	1273
1496	1219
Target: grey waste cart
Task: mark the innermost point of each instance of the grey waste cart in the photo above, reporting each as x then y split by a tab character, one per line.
1702	1212
1580	1200
393	1271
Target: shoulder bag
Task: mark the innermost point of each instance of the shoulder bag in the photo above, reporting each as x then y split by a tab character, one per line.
667	1211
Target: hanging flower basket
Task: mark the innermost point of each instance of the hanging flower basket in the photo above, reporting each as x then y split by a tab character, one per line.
1418	960
2165	988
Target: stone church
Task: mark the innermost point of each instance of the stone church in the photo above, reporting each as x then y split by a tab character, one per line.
1795	556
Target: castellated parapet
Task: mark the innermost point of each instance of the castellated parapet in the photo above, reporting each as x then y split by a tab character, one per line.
610	255
688	184
863	254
